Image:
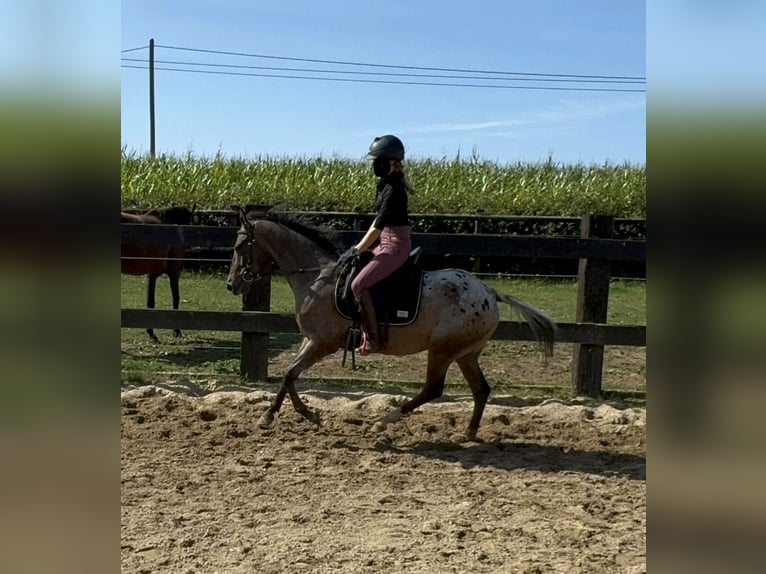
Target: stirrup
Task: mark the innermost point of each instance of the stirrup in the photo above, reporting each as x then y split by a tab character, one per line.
353	337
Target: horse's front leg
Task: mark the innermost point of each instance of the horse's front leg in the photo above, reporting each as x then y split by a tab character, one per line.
309	353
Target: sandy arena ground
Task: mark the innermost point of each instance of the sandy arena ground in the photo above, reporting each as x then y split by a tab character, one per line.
550	487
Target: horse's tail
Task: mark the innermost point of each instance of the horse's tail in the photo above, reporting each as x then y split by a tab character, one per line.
543	327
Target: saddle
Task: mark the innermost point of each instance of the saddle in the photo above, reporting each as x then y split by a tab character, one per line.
396	298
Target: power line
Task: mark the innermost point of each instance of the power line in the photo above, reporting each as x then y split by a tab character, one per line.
133	49
423	68
397	82
399	74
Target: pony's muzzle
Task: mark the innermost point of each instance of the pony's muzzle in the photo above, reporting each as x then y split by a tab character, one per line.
237	287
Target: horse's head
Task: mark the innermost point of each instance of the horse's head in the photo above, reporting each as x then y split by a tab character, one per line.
248	262
176	215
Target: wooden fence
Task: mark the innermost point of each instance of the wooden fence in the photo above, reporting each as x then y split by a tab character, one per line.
595	249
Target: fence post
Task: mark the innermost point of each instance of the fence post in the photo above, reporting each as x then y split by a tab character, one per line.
254	360
592	304
476	231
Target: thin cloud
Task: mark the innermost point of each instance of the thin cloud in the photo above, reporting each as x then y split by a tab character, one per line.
567	114
457	127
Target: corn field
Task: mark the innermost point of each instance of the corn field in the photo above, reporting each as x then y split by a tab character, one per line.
459	185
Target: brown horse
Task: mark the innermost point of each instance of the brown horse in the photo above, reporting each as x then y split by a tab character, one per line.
155	260
458	313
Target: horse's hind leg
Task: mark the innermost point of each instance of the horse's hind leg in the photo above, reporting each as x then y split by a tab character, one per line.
176	295
469	366
309	353
151	284
436	373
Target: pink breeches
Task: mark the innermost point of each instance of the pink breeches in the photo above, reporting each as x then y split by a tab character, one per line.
390	254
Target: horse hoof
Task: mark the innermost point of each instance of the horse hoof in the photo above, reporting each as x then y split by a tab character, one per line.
313	416
266	419
469	436
176	333
378	427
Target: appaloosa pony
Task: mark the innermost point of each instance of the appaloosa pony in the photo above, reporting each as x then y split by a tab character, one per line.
457	313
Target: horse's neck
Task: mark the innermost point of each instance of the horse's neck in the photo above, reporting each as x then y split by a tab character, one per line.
293	252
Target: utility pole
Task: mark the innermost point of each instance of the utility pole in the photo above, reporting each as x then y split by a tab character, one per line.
151	97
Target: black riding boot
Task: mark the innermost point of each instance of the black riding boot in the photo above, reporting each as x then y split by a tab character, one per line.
370	322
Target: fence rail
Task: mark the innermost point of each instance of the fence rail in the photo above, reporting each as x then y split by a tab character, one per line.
266	322
212	237
595	249
351	216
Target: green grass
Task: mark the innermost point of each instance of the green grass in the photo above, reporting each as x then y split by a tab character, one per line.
557	298
459	185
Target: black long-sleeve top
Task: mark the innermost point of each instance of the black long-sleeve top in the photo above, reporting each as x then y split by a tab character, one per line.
391	202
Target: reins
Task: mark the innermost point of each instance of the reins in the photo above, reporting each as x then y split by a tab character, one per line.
283	272
247	274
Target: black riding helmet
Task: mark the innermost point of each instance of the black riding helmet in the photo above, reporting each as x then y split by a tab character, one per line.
386	146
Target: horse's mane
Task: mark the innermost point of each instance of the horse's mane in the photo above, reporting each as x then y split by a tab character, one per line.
322	236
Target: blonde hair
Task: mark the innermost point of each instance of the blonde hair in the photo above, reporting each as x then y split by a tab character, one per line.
409	188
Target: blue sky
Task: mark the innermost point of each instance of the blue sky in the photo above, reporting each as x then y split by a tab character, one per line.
249	116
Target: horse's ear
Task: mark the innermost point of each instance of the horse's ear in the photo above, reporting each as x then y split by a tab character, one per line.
243	217
194	207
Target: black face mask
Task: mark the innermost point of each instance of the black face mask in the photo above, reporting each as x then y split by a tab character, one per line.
381	167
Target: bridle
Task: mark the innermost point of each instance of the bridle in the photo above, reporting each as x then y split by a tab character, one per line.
247	275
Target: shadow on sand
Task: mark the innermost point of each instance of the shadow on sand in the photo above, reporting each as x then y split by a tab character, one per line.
527	456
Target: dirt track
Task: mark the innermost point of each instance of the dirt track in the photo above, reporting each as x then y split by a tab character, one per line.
551	487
